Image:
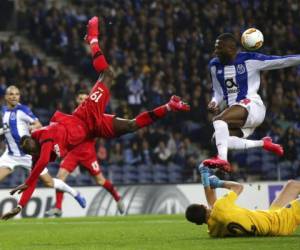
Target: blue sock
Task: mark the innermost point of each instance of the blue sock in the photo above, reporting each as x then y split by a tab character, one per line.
204	171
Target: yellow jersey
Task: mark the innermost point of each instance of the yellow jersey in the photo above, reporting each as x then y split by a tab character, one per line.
228	219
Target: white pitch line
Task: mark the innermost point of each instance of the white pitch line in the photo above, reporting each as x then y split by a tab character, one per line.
91	222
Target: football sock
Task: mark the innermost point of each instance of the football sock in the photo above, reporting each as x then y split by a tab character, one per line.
148	117
204	171
112	190
59	198
99	61
240	143
62	186
222	135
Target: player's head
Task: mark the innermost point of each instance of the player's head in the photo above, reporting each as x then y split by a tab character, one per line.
225	47
12	96
197	213
81	96
29	145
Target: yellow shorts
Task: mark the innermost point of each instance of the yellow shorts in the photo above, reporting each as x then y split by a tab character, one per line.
286	219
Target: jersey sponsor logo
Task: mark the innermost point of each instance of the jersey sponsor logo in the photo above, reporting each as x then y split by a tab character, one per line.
240	69
57	150
220	71
232	87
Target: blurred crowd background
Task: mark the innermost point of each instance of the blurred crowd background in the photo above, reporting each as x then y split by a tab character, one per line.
157	48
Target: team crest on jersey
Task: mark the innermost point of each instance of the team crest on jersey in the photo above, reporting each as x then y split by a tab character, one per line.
240	69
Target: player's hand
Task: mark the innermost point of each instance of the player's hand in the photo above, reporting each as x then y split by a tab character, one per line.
213	107
12	213
19	189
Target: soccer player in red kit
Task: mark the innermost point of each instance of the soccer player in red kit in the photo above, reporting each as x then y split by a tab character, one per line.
86	122
85	155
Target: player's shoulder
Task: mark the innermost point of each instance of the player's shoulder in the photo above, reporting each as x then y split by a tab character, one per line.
24	108
214	62
4	109
244	56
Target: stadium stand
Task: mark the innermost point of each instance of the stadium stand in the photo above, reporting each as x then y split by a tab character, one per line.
157	48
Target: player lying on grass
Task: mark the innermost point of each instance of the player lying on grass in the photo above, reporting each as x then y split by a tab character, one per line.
236	79
86	122
85	155
224	218
18	120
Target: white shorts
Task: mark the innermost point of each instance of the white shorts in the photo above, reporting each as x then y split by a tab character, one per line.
11	162
256	115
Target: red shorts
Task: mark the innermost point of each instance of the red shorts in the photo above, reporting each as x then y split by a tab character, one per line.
85	155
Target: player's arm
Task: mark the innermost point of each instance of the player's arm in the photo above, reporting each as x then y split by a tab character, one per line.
45	156
35	125
212	182
210	193
266	62
30	119
4	129
217	92
23	201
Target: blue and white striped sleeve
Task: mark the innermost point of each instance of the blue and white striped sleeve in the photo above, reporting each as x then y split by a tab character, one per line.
217	90
28	116
267	62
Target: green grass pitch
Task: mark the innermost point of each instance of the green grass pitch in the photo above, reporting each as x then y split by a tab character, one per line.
161	232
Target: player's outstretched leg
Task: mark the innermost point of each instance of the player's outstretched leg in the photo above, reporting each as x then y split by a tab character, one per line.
99	62
266	143
124	126
63	187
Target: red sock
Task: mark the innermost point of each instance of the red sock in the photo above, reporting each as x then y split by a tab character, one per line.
99	61
113	191
59	199
147	118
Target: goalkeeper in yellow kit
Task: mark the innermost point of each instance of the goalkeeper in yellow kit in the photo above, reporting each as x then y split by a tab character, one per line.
224	218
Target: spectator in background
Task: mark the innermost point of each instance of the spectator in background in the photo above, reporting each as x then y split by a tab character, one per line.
116	154
135	91
162	154
132	154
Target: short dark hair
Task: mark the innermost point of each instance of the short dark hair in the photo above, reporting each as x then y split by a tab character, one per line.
196	213
227	37
29	145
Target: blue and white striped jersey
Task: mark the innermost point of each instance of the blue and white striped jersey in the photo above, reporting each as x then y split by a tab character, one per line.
18	121
241	79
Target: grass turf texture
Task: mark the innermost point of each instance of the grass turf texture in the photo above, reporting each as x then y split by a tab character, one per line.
162	232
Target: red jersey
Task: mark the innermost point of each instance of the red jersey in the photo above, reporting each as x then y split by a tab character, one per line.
55	133
92	109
